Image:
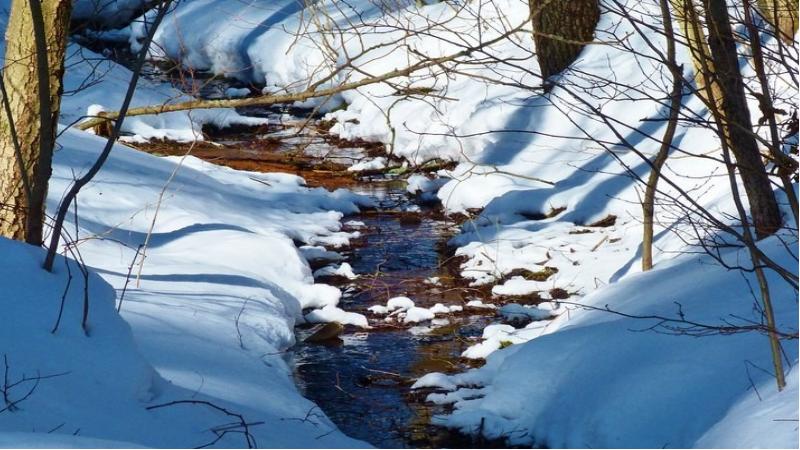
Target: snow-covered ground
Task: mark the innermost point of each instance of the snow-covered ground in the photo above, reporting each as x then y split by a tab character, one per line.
587	378
222	250
205	319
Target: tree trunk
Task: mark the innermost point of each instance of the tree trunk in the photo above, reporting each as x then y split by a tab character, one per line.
689	23
735	123
31	99
561	28
782	15
648	203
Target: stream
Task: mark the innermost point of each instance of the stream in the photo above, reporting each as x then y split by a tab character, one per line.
362	380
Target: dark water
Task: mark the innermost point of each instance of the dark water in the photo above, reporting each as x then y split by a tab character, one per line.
363	382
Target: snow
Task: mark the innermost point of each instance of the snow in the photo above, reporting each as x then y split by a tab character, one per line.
342	270
416	314
106	13
434	380
315	253
405	309
42	440
513	311
421	184
455	398
433	281
588	378
520	286
237	92
331	313
439	309
205	317
108	82
245	289
578	382
742	426
399	303
369	164
480	305
379	310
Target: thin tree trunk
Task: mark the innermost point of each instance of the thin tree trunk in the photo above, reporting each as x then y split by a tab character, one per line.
73	191
763	285
648	203
716	106
561	29
32	75
735	115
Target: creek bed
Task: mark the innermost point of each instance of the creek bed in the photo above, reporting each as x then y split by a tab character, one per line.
362	382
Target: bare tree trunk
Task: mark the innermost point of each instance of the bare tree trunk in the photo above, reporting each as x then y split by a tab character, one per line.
782	15
689	23
736	124
648	203
33	70
786	165
561	28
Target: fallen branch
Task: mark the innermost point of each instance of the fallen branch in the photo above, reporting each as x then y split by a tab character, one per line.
240	426
312	92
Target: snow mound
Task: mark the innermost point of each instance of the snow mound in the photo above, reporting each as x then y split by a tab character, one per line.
334	314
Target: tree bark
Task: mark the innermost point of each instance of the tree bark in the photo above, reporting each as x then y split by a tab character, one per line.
735	120
782	15
31	100
786	165
689	23
561	29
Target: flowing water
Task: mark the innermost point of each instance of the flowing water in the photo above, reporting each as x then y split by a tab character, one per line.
362	381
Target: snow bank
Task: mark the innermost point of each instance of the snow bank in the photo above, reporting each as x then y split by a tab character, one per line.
208	308
591	380
78	381
94	84
210	311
